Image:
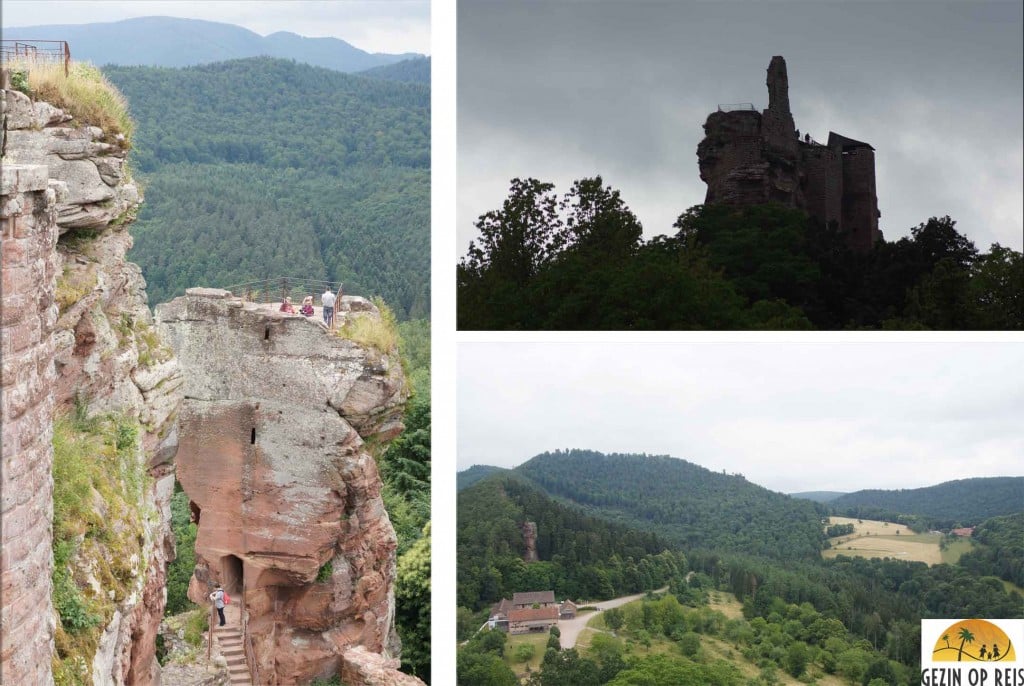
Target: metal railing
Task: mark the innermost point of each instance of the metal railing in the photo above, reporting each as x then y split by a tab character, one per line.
278	288
30	51
732	107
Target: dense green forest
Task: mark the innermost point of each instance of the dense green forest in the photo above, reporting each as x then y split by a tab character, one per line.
578	261
1001	552
682	502
260	168
468	477
580	556
854	618
410	71
405	470
964	502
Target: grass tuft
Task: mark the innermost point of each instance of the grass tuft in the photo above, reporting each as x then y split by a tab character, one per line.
85	93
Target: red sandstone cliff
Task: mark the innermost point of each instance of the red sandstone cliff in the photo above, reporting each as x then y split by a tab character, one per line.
77	329
287	497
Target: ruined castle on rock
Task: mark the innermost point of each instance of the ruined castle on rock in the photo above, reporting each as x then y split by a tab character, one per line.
749	158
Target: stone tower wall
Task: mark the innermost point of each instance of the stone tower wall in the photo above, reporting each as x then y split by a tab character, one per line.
860	204
28	221
823	186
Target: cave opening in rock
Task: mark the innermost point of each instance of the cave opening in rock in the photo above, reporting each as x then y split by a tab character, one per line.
231	571
195	512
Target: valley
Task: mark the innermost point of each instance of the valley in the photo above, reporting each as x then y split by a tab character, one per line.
712	593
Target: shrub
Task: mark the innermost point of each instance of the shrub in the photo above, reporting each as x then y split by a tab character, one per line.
197	622
380	333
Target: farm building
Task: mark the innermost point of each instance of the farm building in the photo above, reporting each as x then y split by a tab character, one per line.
532	619
499	615
534	598
567	610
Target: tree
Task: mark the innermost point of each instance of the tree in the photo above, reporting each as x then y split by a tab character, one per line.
518	239
965	637
613	618
797	657
412	603
482	669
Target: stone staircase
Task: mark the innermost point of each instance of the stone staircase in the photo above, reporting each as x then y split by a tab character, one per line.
229	644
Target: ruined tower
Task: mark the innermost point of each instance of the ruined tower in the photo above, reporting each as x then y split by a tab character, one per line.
750	158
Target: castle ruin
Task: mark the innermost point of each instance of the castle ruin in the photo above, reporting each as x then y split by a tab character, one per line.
750	158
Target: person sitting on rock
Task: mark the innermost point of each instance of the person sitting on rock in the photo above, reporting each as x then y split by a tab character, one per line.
307	306
286	305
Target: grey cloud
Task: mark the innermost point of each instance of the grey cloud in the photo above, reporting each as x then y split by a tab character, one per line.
569	89
789	417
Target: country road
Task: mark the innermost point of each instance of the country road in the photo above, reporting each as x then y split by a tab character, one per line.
571	628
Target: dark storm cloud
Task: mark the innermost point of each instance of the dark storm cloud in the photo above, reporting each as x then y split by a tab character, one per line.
570	89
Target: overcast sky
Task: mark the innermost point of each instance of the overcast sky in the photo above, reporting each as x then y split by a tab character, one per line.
839	417
392	26
564	90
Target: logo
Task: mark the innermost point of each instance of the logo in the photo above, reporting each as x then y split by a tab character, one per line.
977	652
973	639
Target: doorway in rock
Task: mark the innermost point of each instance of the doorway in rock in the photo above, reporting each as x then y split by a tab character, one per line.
231	574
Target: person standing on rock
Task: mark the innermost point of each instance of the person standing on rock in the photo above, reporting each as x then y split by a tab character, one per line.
218	599
327	300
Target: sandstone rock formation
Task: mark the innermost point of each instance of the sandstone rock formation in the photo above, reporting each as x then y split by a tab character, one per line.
286	496
529	530
749	157
87	167
79	332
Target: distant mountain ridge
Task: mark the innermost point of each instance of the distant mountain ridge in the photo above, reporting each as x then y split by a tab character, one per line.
964	501
818	496
177	42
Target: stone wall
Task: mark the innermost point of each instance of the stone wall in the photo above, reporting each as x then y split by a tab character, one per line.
287	496
29	233
860	205
92	344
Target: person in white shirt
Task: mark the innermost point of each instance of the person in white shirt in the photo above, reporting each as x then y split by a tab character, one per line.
327	300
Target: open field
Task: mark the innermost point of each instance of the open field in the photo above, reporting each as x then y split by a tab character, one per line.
951	555
883	539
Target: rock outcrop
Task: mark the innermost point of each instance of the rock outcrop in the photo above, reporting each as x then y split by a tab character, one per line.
751	158
529	530
81	336
285	493
88	168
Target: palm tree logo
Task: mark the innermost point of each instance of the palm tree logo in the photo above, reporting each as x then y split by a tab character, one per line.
974	635
965	636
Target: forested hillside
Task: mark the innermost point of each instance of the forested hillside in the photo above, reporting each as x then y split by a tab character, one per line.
1000	551
468	477
259	168
683	502
580	556
410	71
964	502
